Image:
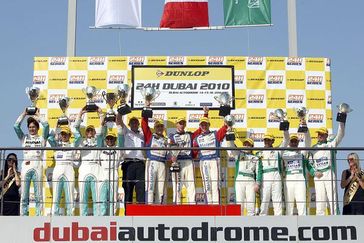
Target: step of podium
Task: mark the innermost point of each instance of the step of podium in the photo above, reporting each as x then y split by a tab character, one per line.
182	210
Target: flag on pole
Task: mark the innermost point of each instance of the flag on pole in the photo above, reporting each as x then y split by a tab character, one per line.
126	13
185	14
247	12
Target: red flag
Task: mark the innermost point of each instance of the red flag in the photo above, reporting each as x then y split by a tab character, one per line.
185	14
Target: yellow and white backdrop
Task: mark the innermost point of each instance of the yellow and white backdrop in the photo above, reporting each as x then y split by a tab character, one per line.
262	84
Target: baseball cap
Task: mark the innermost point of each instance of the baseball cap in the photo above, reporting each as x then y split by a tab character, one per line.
110	133
204	119
249	140
293	136
179	119
158	122
268	136
90	127
65	129
322	130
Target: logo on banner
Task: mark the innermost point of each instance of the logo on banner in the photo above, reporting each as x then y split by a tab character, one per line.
215	60
295	99
98	99
57	61
272	117
176	60
116	79
200	198
315	118
275	79
257	137
294	61
159	73
157	117
195	117
39	79
77	79
54	98
328	62
239	79
239	117
97	61
315	80
72	117
136	60
329	101
255	60
256	98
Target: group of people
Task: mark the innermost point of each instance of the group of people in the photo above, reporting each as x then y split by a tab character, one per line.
277	175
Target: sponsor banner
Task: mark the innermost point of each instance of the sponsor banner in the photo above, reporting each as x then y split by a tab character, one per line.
116	77
40	79
179	86
58	63
315	80
295	63
276	79
136	61
240	79
176	60
316	118
184	229
295	98
77	79
97	63
256	63
256	98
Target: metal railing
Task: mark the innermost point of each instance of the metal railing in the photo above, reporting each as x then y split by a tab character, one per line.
223	182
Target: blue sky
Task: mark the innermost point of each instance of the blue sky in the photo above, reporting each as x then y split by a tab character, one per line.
326	28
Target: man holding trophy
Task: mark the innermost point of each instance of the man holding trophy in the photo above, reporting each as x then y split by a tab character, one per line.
32	167
89	171
296	165
63	178
269	176
325	165
245	173
182	160
155	168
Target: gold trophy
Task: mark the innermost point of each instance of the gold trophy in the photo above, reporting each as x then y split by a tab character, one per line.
301	114
110	98
344	109
282	117
123	91
230	122
90	92
64	103
224	99
33	95
149	95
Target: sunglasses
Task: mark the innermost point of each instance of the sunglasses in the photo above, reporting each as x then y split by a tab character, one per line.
350	159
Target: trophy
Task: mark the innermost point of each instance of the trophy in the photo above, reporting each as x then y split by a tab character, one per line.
149	95
123	91
175	165
224	99
281	115
90	92
230	121
64	103
301	114
111	98
344	109
33	94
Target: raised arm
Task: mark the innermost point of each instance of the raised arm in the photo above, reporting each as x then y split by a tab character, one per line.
339	136
285	139
220	134
17	125
232	153
145	128
307	137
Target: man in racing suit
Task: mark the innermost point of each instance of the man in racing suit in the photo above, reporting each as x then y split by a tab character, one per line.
210	159
245	173
32	167
296	165
108	185
324	163
186	176
89	171
270	175
63	178
155	168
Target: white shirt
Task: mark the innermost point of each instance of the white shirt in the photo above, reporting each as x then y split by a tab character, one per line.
133	140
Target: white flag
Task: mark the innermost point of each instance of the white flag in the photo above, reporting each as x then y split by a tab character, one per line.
126	13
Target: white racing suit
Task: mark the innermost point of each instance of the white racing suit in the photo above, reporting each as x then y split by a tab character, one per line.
32	167
296	165
210	166
108	178
269	175
324	162
155	170
246	166
89	172
186	175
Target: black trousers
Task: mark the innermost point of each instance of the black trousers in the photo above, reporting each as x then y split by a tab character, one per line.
134	176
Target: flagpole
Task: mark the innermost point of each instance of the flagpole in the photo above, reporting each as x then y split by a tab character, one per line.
71	28
292	28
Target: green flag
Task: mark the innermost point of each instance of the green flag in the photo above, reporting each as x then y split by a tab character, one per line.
247	12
